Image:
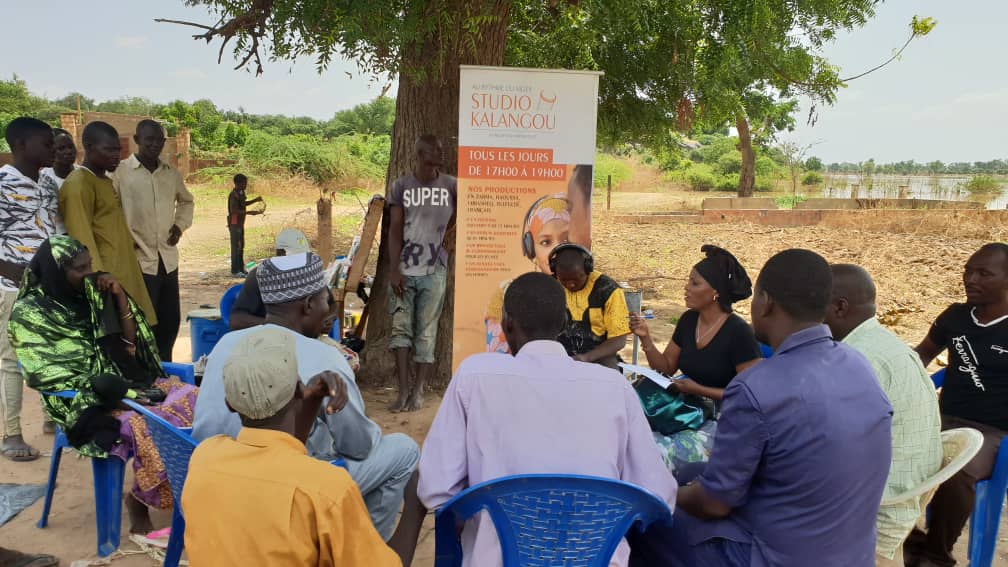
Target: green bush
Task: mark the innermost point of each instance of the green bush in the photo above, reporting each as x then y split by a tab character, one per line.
356	156
766	167
982	184
730	162
811	178
719	147
763	185
700	180
727	183
608	164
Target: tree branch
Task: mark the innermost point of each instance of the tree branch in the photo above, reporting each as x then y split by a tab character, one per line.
251	23
182	23
887	61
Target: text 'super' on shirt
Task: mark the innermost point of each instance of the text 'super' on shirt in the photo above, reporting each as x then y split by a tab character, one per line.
428	208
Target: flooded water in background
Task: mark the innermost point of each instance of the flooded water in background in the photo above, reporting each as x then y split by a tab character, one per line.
943	187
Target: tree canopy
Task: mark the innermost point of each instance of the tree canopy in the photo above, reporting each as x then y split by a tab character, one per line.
667	64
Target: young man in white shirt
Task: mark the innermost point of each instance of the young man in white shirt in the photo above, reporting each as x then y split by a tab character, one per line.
28	215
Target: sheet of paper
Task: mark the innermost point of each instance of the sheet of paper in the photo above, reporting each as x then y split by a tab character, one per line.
648	373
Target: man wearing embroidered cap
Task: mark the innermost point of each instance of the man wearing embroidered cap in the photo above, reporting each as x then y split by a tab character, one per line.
296	297
248	309
304	511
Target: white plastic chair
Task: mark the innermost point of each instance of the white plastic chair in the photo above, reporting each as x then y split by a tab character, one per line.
959	446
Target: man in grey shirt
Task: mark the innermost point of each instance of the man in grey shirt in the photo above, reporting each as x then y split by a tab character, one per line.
422	208
296	297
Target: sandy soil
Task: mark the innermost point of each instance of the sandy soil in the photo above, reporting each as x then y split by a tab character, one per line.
917	274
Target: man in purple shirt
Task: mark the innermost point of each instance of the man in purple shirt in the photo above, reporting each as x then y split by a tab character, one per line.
802	450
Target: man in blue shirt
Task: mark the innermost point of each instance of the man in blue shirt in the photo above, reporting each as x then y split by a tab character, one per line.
803	447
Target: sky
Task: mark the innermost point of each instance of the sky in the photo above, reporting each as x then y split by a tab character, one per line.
946	98
121	51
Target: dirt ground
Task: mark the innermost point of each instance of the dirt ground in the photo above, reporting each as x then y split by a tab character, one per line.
917	272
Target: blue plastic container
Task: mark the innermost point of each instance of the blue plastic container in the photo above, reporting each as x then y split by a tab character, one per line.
205	328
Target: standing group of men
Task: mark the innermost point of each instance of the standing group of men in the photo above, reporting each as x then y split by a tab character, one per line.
130	215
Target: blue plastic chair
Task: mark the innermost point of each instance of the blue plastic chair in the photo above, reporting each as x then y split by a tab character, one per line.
546	520
938	378
227	302
987	504
175	448
185	371
108	477
108	482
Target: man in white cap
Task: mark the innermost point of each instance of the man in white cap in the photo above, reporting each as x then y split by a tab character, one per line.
249	309
296	297
260	498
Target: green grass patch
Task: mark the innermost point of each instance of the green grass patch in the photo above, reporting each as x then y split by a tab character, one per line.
789	201
981	184
608	164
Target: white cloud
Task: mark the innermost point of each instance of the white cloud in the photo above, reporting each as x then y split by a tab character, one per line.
131	41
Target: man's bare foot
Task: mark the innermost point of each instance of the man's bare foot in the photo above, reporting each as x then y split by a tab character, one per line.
139	515
15	449
415	401
400	403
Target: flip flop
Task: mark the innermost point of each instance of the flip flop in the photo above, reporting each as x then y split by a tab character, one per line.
11	558
31	456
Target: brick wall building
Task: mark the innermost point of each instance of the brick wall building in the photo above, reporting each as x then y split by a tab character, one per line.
176	150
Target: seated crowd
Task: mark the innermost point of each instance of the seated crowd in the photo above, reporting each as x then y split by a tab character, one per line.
786	465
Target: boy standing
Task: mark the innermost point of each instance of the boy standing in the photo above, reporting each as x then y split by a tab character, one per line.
236	223
28	216
422	208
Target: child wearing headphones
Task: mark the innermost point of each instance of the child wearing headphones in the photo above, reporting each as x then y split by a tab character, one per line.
599	321
550	221
546	226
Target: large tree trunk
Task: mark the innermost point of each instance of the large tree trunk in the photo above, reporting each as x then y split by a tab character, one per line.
429	104
747	175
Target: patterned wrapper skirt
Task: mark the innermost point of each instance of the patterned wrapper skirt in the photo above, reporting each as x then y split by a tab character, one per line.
150	478
686	453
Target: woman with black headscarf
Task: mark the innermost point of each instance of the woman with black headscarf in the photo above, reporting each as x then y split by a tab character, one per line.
710	345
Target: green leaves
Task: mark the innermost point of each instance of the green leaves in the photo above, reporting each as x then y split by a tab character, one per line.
922	26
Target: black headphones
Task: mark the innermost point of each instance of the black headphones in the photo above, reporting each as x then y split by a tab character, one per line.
589	260
528	241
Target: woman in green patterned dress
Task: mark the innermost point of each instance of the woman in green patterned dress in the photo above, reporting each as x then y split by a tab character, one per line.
73	329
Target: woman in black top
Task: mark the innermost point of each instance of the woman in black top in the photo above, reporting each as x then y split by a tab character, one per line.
710	343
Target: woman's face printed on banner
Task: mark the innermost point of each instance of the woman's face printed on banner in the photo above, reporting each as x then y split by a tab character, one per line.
549	226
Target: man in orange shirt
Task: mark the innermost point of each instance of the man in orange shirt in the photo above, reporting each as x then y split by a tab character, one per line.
260	499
